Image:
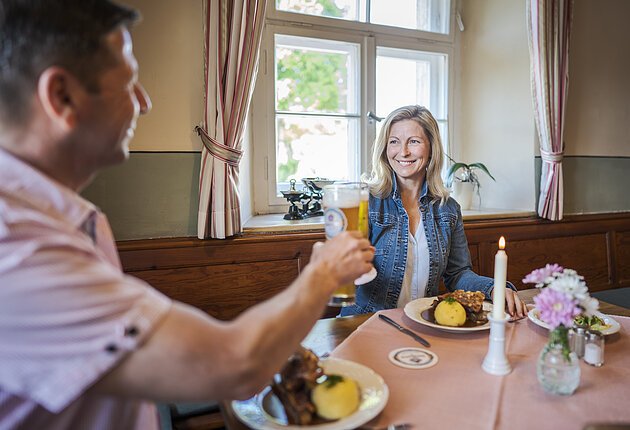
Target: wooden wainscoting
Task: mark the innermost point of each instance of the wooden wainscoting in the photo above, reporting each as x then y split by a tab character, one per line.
225	277
221	277
597	246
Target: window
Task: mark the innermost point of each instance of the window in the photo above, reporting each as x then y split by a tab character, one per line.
426	15
420	79
324	65
316	109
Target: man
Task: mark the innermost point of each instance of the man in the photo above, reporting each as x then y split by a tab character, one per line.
82	345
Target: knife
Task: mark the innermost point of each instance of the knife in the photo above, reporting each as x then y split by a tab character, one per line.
404	330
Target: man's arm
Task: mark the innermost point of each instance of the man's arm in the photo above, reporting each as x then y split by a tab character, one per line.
192	356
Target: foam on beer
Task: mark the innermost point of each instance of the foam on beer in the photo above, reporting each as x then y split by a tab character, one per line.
342	198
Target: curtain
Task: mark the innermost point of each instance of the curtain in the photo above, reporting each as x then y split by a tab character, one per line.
233	32
549	28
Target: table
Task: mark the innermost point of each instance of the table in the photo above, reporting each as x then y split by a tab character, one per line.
327	334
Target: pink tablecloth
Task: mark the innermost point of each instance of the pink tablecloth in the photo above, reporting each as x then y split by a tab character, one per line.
457	393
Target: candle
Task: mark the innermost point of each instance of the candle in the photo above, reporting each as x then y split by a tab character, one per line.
500	275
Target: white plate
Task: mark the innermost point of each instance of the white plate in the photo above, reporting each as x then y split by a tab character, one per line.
533	315
374	395
415	308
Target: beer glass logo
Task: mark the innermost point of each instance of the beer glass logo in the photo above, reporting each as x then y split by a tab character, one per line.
335	222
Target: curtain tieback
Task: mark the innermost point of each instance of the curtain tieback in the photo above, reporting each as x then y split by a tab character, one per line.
218	150
551	157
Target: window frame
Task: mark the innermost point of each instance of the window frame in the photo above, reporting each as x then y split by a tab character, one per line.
369	37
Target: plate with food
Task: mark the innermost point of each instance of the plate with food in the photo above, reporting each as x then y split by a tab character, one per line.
330	394
598	322
457	312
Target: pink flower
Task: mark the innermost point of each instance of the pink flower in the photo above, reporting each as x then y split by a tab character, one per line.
539	276
556	308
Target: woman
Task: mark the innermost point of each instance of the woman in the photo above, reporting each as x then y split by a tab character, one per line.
416	228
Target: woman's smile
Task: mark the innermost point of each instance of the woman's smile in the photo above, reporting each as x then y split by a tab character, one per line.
406	162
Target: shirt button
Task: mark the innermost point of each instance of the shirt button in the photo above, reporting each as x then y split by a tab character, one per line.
132	331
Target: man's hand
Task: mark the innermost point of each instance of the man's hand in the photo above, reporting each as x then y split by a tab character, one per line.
344	257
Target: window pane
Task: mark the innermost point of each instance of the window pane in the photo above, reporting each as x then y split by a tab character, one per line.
426	15
316	75
406	77
345	9
308	146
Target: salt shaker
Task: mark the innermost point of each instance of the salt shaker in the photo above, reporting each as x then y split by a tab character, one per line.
594	348
577	340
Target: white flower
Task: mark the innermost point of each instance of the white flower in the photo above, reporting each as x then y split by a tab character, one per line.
571	272
590	305
570	284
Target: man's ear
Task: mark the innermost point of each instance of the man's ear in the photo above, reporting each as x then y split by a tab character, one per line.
57	93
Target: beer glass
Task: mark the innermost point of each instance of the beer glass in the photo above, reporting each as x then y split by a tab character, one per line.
346	208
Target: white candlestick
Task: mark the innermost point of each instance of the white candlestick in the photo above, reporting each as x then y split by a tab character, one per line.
496	362
500	276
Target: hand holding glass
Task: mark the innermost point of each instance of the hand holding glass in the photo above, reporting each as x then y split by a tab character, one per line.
346	208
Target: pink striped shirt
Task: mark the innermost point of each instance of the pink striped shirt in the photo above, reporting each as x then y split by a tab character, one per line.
68	314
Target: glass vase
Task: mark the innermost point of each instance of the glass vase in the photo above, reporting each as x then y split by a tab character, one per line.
558	368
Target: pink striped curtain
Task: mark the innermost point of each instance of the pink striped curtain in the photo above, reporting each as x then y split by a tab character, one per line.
233	31
549	28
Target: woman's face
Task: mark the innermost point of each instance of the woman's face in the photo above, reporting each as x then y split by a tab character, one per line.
408	150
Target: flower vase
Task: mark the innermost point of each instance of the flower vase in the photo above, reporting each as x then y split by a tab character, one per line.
558	367
463	193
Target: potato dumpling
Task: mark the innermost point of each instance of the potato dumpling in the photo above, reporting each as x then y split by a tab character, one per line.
450	312
336	397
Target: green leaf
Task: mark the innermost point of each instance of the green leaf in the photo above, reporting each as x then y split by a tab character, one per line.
332	380
483	168
452	170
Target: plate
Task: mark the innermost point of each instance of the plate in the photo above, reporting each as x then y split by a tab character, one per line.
416	308
533	315
258	412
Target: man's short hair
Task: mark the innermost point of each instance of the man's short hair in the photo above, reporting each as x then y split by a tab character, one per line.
37	34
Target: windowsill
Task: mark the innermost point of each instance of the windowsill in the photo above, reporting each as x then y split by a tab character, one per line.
480	214
274	223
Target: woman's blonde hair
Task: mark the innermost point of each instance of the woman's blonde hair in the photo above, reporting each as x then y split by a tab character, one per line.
380	178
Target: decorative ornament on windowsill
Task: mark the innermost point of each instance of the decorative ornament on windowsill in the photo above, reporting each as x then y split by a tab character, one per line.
563	299
305	203
466	183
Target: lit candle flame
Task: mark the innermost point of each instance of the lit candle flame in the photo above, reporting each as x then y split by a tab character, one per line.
502	243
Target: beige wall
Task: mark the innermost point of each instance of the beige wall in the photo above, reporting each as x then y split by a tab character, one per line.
598	106
154	195
493	122
168	44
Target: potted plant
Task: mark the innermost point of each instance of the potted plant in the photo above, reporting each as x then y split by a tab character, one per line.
465	184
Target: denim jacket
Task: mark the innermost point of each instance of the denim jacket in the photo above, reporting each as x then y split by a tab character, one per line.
449	256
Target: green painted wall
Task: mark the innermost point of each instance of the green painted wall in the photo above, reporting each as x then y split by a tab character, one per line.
593	184
153	194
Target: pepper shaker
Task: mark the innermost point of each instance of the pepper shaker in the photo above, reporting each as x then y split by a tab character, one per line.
577	340
594	348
